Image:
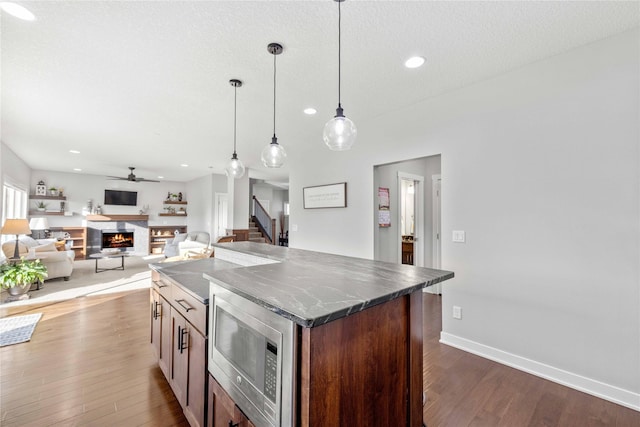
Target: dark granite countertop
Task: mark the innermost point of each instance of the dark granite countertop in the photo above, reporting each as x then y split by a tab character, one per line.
189	274
313	288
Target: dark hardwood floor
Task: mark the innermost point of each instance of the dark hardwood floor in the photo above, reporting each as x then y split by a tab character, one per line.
89	363
467	390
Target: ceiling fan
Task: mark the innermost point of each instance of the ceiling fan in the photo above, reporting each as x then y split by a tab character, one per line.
131	177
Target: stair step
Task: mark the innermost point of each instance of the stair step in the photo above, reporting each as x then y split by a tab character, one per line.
254	235
254	229
257	239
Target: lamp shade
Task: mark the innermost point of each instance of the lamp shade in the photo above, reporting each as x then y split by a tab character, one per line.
39	224
16	227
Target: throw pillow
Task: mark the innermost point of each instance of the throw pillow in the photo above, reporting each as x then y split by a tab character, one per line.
191	237
60	245
29	242
180	238
49	247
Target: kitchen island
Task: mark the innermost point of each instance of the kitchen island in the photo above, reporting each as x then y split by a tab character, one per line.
357	323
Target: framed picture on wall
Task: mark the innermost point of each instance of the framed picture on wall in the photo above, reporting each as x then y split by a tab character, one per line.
325	196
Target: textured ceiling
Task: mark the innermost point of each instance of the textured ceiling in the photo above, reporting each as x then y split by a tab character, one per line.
145	84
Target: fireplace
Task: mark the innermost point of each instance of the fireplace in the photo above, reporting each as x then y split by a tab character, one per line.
118	239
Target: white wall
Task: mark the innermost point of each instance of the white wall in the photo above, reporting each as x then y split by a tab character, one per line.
202	211
13	169
541	168
79	189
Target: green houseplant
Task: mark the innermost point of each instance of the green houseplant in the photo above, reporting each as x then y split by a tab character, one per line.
17	277
41	206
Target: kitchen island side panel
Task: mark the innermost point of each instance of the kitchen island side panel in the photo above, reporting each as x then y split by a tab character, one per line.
361	370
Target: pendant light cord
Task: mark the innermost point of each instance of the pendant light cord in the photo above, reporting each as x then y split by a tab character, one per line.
235	109
339	49
274	95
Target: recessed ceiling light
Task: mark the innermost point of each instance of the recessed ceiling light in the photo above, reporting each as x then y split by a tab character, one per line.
160	177
414	62
18	11
74	151
310	111
77	169
184	165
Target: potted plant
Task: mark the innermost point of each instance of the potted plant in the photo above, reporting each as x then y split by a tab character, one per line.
41	206
53	191
17	277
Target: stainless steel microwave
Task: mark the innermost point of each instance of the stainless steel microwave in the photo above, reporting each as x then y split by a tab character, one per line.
251	355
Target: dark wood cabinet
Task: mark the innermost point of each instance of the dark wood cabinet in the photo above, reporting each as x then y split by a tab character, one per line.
189	370
223	412
407	253
180	346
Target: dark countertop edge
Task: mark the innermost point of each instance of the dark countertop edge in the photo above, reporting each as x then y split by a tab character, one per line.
310	323
158	268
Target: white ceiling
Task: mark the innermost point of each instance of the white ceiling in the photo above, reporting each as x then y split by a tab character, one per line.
145	84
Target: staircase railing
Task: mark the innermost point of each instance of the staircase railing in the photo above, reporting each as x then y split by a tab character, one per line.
263	221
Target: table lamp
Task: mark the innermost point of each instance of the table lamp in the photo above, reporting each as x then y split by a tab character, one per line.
16	227
41	225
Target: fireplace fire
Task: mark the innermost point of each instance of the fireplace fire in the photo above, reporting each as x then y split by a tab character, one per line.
117	239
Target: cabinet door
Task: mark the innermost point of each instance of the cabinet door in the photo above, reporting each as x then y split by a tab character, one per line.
156	323
180	357
223	411
166	338
197	366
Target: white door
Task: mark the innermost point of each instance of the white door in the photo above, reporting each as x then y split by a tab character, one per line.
222	212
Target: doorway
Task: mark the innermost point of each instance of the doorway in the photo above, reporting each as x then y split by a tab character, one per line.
411	227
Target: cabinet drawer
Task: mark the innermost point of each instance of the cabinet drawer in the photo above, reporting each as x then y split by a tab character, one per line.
192	309
161	285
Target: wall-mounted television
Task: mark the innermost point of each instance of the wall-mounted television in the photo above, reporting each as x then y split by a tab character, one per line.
122	198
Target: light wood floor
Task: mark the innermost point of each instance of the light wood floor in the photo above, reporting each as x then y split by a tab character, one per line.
89	364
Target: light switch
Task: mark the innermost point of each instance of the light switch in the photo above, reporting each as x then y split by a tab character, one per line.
294	227
458	236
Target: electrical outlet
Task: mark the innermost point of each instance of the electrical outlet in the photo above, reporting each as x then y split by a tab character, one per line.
457	312
294	227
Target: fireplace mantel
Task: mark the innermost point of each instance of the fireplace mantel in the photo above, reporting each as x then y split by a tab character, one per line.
117	217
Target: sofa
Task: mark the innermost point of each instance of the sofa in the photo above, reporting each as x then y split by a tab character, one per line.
56	257
192	241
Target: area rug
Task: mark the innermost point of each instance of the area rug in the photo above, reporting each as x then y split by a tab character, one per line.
17	329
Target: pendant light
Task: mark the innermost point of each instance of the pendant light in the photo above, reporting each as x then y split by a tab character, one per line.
273	154
235	168
339	133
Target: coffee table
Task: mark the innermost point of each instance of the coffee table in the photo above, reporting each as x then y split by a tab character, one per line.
102	255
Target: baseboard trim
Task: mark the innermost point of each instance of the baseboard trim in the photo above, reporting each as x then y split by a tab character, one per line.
587	385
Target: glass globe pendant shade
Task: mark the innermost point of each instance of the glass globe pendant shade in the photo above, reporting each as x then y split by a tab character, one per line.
339	133
235	168
273	154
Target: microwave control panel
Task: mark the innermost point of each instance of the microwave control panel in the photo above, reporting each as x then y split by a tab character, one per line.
271	372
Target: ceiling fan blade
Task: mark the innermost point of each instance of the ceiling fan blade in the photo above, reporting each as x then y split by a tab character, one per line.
146	180
118	177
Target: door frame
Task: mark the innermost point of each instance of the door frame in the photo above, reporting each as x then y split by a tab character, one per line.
418	241
218	197
436	229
